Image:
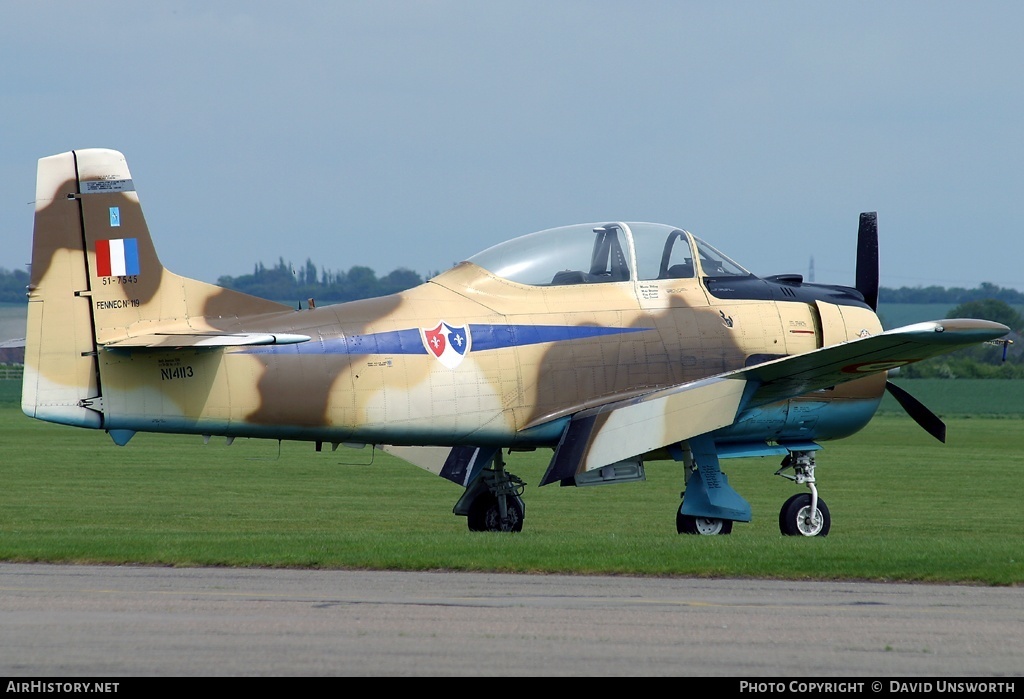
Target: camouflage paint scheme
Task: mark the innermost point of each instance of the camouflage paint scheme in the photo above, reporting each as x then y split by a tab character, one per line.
117	342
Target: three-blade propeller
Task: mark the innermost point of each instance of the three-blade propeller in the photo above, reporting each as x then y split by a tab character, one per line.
867	285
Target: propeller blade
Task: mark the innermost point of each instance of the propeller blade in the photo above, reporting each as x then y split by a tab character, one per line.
917	410
867	258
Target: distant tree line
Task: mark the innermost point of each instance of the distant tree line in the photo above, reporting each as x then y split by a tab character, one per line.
939	294
988	361
13	286
285	282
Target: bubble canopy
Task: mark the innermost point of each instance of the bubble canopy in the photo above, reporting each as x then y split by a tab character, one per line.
590	253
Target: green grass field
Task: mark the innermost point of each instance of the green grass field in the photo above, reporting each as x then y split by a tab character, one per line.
904	508
962	397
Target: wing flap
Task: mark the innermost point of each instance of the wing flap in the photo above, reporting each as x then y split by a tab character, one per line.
458	464
618	431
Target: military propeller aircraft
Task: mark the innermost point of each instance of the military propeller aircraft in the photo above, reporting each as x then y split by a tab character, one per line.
612	344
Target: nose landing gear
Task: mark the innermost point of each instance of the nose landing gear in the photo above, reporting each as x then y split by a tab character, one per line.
803	514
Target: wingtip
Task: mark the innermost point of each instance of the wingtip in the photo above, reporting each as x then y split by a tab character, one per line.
954	330
984	330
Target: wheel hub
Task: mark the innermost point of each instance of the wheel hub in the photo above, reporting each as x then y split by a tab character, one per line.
808	524
494	523
708	526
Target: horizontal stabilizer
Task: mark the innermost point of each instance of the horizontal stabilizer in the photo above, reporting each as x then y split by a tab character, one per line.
165	341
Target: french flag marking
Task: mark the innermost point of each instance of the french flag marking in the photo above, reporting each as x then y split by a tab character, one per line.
117	258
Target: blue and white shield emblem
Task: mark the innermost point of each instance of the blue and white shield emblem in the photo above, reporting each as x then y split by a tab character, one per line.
448	343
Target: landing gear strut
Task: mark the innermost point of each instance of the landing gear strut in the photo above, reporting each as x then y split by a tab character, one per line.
710	505
495	502
803	514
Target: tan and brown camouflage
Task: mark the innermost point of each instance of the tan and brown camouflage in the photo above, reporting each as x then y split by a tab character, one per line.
601	371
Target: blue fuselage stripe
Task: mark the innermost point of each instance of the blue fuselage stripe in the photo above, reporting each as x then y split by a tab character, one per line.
486	337
483	337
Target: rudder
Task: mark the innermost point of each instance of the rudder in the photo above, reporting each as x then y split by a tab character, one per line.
61	374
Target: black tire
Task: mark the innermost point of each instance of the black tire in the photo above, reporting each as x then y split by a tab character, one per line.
704	526
484	515
794	520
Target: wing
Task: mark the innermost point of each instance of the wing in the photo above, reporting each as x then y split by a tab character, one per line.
623	429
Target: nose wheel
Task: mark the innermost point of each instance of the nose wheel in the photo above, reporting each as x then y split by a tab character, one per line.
804	514
798	519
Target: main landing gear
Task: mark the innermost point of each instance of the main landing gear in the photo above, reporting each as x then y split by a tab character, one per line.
803	514
494	503
710	505
706	526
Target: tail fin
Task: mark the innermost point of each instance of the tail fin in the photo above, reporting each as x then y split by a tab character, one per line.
96	279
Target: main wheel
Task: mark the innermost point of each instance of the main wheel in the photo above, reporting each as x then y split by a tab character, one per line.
484	515
707	526
795	518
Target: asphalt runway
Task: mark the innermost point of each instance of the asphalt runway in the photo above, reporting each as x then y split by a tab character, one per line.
102	622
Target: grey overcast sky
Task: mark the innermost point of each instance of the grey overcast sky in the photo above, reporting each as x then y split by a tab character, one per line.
413	134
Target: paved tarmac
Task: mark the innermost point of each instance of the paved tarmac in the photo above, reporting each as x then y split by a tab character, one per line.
103	622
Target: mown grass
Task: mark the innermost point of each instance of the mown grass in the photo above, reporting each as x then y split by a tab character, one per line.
904	508
963	397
